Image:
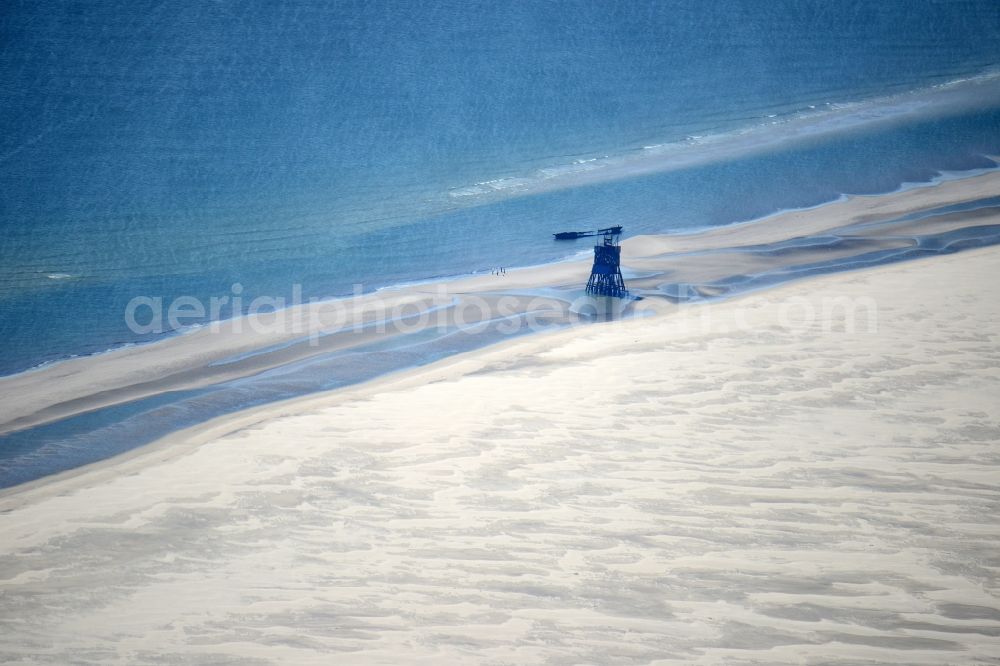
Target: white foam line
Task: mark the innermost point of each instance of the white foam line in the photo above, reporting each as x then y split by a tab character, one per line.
697	149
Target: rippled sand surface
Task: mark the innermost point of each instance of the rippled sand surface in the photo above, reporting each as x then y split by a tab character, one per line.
758	481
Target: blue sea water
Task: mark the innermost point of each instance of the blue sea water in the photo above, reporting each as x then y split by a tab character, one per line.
166	149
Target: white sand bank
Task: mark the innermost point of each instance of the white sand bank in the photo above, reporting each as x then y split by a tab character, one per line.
734	483
193	360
